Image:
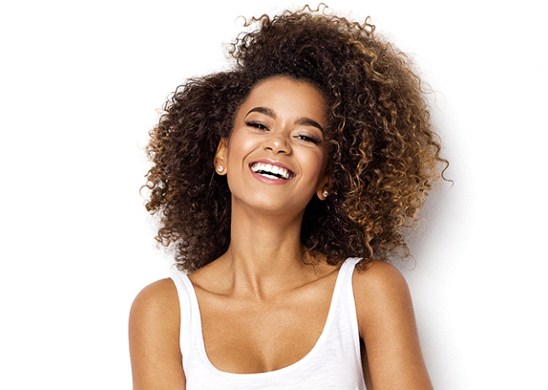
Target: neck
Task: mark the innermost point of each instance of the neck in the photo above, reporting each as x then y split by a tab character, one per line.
265	254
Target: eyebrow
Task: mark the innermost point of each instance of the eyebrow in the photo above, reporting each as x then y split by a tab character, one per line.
300	121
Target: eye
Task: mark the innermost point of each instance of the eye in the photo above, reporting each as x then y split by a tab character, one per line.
309	138
256	125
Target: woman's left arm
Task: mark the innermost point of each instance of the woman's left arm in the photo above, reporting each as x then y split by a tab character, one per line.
387	326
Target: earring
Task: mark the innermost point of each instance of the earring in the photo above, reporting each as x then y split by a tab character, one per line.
220	168
325	193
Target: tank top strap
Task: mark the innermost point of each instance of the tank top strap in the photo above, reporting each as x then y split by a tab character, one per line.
190	328
344	293
345	320
347	268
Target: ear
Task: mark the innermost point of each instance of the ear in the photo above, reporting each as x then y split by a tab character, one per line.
219	162
322	191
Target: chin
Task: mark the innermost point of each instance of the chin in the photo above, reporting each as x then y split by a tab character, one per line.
271	206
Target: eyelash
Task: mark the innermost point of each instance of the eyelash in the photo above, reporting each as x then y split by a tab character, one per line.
306	138
256	125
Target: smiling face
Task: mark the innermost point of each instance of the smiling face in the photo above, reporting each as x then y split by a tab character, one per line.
275	157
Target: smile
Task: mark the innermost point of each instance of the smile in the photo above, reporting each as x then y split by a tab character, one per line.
271	171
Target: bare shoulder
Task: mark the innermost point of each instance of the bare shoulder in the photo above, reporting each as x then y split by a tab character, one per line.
155	307
158	296
380	281
154	323
387	325
381	295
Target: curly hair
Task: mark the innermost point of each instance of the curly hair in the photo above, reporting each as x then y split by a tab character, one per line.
383	154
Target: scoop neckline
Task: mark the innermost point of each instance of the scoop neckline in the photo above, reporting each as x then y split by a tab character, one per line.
200	343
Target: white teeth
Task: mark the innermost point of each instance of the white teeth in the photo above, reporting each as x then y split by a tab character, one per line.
270	170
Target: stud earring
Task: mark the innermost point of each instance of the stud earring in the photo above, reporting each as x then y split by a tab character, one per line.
220	168
325	193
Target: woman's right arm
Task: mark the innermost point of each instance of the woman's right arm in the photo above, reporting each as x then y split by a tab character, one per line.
154	322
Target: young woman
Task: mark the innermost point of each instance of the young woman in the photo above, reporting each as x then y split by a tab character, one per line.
283	184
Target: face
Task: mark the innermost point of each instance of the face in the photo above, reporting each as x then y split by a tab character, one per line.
275	157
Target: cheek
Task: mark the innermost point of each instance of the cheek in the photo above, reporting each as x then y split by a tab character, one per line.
240	146
316	162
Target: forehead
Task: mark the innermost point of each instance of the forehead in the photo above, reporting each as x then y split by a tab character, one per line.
287	97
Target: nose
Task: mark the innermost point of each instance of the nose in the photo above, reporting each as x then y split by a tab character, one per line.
277	143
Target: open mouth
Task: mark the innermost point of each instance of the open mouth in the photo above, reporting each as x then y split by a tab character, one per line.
271	171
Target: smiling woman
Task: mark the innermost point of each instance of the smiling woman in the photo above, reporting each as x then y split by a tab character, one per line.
275	156
284	184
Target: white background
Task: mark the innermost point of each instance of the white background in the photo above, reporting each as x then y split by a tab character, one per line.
81	84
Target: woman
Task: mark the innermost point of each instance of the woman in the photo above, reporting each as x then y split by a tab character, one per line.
283	183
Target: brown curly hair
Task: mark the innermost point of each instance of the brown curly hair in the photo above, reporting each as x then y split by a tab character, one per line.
383	157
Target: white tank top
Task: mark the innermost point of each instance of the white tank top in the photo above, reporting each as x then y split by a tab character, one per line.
333	363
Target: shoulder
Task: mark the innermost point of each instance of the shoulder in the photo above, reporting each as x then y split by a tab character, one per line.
155	311
380	290
386	323
379	279
154	323
159	297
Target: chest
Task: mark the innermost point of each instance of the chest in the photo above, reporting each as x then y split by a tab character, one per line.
242	336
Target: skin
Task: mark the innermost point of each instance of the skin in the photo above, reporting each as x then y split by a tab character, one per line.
272	293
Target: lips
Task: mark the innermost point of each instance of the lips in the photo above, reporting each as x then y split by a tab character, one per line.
271	170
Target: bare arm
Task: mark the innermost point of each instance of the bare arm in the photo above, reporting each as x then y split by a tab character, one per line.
387	325
154	338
